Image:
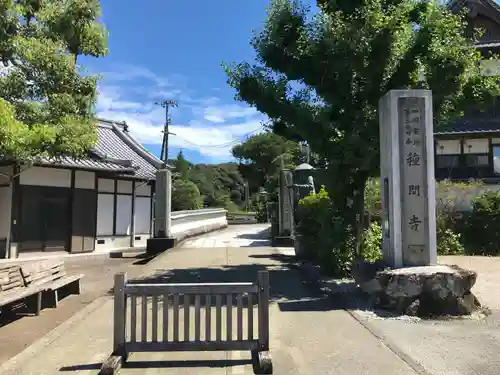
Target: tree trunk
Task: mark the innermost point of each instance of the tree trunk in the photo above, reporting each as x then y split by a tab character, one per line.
359	185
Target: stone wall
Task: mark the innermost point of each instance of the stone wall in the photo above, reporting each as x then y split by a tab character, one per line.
459	198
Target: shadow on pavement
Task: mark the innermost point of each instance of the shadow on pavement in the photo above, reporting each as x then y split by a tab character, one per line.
258	243
262	235
287	286
221	363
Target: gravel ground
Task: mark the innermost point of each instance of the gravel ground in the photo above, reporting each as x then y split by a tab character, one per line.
464	346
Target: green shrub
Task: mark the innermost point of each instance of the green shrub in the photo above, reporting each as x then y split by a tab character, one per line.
185	196
372	243
322	229
261	211
482	235
449	242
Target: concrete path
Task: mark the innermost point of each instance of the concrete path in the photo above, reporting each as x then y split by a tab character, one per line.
309	334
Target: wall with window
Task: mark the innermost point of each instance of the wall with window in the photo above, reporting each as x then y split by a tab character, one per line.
123	214
464	158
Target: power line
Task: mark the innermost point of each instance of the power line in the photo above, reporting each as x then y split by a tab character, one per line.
234	141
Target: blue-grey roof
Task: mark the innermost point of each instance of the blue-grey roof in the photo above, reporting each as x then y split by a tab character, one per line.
89	163
473	124
116	151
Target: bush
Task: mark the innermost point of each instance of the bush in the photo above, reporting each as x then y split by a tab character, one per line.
322	229
483	235
449	242
185	196
372	243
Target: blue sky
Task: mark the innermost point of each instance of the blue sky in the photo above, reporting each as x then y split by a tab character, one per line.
162	49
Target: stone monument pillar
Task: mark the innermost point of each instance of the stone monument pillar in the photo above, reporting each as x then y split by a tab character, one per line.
407	178
285	206
162	236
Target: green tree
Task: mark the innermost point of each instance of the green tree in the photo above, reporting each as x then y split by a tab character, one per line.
185	196
181	166
46	102
259	157
320	78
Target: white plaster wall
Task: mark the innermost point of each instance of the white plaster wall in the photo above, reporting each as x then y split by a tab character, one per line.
476	146
105	185
105	213
5	210
191	223
143	190
142	215
460	199
123	214
184	224
141	240
448	147
84	180
112	243
124	187
41	176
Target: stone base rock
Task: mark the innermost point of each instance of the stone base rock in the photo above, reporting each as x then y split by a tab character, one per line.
419	291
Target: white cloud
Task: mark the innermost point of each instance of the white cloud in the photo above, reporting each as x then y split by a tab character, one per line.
204	124
221	114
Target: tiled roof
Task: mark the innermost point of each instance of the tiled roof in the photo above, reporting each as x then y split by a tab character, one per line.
114	141
492	44
472	125
87	164
116	151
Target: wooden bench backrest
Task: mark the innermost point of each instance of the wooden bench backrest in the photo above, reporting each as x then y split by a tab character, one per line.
42	272
10	278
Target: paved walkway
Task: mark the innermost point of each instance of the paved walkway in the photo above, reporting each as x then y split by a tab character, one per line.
304	339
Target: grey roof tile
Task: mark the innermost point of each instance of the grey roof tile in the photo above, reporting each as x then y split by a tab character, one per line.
88	163
472	125
116	151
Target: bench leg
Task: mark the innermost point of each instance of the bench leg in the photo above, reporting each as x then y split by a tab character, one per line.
262	362
38	303
56	298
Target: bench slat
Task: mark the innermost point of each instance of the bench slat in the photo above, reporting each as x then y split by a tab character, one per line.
13	296
44	277
11	286
64	281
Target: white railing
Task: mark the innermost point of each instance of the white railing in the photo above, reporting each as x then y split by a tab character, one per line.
191	223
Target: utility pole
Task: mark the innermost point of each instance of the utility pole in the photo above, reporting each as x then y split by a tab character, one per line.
164	146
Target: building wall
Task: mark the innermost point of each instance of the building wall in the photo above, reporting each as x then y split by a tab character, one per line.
461	199
40	176
106	205
122	221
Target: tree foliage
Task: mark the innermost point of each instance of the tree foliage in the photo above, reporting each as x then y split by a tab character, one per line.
44	97
320	78
181	166
185	196
259	157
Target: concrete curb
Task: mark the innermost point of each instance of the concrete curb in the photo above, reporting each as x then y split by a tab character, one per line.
312	273
13	363
68	257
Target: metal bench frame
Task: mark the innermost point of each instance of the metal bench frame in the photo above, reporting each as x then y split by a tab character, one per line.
259	347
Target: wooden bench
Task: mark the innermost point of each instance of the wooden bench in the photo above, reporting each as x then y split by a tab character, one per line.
13	288
50	276
20	281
